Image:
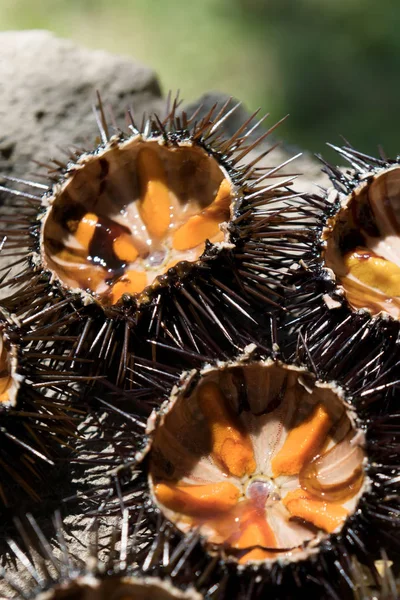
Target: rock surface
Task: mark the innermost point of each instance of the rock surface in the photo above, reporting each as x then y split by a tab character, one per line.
47	88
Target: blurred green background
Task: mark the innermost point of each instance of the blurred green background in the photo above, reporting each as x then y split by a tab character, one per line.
332	64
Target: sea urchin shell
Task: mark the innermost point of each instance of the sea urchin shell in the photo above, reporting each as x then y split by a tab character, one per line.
203	455
129	213
170	230
143	208
362	242
261	459
360	238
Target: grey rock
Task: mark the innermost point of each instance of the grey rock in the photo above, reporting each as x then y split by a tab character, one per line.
47	88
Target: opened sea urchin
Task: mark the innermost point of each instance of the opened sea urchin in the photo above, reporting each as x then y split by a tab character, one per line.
285	470
264	466
355	263
362	242
131	212
167	229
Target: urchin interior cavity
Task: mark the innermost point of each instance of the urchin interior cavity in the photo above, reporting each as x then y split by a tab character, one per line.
118	588
128	215
257	462
363	245
9	383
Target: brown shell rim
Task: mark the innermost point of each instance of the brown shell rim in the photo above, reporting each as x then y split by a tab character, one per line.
157	418
144	297
345	199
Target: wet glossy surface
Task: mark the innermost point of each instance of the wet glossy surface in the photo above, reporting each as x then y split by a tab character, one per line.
129	216
363	245
257	463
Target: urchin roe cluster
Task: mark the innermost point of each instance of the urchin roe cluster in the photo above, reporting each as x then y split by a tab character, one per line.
262	464
9	382
113	587
128	214
363	244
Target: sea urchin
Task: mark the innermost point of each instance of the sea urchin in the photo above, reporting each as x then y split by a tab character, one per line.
261	459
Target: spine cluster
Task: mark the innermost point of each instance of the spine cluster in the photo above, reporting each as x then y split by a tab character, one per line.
183	334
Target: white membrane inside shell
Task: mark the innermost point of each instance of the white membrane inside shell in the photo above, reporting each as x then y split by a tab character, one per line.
257	462
363	245
127	215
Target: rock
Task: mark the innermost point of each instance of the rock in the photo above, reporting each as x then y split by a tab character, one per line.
308	168
47	89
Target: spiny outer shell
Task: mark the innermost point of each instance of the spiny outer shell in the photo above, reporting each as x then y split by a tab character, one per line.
144	297
189	380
